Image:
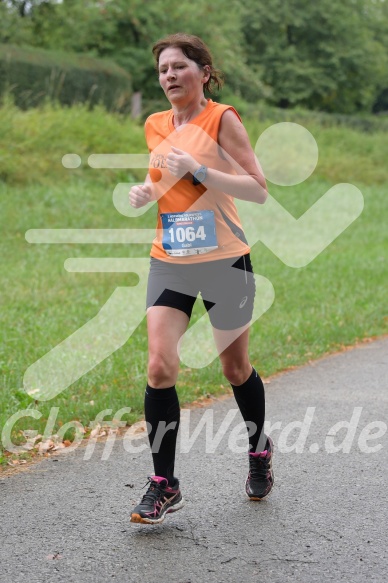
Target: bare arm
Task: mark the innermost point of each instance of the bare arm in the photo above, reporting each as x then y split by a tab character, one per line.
234	141
249	183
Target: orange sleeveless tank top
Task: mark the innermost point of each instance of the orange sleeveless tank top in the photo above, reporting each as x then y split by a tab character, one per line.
199	137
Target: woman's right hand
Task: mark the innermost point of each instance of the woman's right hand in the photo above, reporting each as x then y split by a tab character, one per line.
140	195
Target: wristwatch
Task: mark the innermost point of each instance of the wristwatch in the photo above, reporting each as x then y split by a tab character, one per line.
199	175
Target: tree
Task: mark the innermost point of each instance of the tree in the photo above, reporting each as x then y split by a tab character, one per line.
125	30
322	55
325	55
13	28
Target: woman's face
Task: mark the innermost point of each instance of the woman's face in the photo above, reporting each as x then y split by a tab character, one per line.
180	78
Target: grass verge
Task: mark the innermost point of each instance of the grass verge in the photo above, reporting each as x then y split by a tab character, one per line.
337	300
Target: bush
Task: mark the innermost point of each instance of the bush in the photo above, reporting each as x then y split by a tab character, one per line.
36	75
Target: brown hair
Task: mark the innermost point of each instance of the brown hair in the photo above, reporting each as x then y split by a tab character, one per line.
194	49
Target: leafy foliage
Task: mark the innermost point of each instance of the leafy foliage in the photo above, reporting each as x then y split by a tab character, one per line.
323	55
327	55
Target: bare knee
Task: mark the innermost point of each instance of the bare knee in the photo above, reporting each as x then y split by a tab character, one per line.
162	372
237	373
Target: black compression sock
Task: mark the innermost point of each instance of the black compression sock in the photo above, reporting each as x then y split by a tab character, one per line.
250	398
162	412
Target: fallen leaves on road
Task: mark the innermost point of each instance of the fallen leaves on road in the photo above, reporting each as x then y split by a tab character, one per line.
54	557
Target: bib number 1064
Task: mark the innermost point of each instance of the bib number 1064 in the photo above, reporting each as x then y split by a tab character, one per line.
182	234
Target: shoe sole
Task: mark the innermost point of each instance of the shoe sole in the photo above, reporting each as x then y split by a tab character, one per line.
141	520
255	498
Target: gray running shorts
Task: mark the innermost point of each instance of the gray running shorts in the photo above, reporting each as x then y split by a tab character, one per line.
227	288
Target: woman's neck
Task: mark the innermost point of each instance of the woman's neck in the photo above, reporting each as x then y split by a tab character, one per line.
184	114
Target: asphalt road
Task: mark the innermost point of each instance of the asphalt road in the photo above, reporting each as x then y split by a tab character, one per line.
66	519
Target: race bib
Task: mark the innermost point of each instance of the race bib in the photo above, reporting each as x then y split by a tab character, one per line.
189	233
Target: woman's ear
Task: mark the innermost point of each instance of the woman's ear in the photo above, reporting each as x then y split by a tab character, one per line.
207	73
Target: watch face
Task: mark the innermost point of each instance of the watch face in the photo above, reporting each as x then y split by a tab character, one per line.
200	174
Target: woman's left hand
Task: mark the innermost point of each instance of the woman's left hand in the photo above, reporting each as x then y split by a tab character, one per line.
180	163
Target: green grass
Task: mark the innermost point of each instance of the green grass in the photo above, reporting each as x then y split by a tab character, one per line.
336	300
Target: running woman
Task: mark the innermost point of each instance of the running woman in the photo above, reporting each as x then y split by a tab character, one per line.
200	160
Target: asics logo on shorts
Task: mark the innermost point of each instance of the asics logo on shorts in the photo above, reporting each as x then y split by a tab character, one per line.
243	301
